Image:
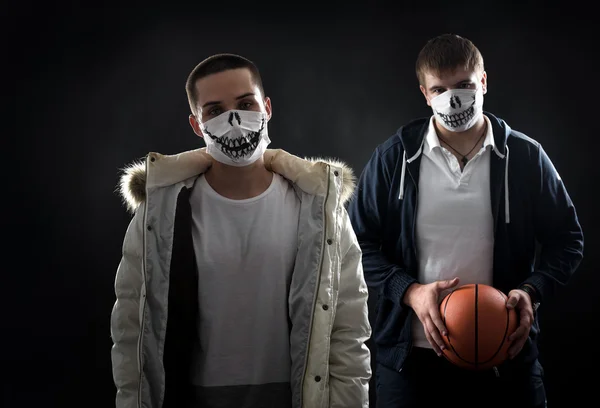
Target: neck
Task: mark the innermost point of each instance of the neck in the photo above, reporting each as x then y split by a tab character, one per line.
239	183
463	141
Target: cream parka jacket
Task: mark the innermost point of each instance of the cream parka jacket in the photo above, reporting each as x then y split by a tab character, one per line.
153	322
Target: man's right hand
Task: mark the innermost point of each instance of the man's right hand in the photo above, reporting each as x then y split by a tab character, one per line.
425	301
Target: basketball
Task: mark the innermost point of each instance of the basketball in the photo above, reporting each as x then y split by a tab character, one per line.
478	325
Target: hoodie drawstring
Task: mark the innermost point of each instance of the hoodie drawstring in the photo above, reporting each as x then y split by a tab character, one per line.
506	197
506	201
401	196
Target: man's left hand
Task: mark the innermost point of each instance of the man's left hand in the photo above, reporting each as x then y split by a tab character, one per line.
521	302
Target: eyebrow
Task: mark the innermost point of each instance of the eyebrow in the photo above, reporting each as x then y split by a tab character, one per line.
237	98
464	81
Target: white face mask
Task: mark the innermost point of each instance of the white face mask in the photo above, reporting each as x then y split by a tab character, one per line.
236	138
458	109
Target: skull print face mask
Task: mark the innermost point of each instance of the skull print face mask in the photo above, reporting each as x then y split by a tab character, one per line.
236	138
458	109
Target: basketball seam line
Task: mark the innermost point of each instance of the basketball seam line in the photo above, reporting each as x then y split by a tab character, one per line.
476	363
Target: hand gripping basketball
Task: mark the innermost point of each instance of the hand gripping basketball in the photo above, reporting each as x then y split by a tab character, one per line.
424	300
520	301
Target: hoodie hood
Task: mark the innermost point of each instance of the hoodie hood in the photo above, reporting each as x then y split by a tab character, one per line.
309	174
412	137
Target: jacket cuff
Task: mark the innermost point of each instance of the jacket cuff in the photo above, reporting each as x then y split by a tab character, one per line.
538	282
397	284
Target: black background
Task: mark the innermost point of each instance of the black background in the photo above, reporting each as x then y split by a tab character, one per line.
93	86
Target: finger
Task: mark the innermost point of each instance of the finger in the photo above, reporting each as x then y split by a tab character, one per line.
513	300
447	284
521	331
431	341
434	346
435	335
516	347
525	321
436	319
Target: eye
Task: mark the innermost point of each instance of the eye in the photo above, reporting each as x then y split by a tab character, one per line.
245	105
214	111
466	85
438	91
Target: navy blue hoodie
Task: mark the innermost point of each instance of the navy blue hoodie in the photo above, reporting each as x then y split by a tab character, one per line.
537	236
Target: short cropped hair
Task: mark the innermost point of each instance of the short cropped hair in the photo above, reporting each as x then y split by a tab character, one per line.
446	53
215	64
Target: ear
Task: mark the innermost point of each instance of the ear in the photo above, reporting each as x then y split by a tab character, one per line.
195	126
484	82
268	108
424	91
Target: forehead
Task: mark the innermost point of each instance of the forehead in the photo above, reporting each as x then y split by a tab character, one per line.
225	85
449	78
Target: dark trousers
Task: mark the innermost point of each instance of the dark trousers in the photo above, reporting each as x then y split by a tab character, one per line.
427	380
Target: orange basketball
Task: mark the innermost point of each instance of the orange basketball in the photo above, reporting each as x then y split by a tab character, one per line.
478	325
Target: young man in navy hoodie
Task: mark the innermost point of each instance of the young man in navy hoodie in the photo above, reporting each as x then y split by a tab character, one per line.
453	199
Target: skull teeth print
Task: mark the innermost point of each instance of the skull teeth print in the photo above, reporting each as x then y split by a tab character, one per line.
240	147
458	119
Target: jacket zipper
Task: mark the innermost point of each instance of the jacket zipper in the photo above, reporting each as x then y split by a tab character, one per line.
414	227
143	300
312	315
414	224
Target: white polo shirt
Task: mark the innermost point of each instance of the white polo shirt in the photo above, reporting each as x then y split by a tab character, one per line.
454	226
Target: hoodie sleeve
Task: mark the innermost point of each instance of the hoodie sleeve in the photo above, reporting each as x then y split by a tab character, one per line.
557	230
367	214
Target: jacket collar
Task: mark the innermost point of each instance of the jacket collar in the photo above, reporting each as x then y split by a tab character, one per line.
158	170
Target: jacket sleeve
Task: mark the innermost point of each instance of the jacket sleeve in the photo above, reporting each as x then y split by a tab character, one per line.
367	214
350	358
125	317
557	230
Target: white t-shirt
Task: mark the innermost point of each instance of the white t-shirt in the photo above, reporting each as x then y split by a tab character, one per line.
455	232
245	252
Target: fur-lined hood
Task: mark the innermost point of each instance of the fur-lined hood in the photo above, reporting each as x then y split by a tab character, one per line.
308	174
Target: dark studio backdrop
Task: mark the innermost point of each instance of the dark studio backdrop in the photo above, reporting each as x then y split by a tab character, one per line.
93	87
